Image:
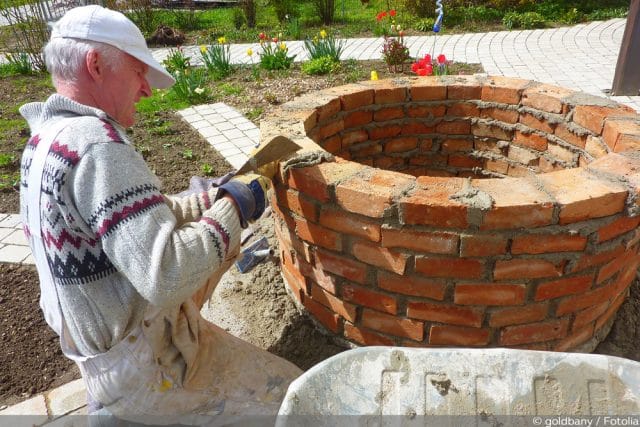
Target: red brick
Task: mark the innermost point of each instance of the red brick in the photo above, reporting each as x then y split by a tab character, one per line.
611	311
412	285
458	336
370	149
563	154
563	132
546	98
531	140
516	203
316	181
291	199
563	287
344	222
372	196
489	294
470	89
534	332
387	92
318	235
497	166
455	127
621	135
589	315
596	147
482	245
326	317
331	128
505	90
461	268
616	265
388	259
344	309
575	339
591	298
617	228
582	196
506	116
357	119
368	298
546	243
445	313
384	131
464	161
518	315
488	130
428	89
342	266
353	97
526	268
533	122
426	111
333	144
463	110
296	281
453	145
350	138
523	156
365	336
438	243
392	325
331	108
587	261
389	163
431	203
416	128
401	145
389	113
318	277
592	117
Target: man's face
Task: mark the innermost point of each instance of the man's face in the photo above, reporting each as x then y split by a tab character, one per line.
123	87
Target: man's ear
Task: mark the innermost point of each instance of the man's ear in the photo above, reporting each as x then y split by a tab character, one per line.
93	61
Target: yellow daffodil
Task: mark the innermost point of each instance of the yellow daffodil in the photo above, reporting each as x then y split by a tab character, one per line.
250	52
283	46
222	40
203	49
316	39
374	75
323	34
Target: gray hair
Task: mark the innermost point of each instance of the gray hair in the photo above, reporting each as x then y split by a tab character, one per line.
64	57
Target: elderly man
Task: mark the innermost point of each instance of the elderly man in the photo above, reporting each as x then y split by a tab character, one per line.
124	270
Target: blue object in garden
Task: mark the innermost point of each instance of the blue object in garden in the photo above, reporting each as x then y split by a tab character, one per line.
440	12
253	254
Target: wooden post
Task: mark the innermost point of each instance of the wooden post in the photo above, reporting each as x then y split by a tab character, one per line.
626	80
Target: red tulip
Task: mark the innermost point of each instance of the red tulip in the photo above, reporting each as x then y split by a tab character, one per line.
414	67
262	36
427	58
275	39
392	12
421	72
441	59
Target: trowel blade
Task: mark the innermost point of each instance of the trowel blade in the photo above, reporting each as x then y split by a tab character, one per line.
270	151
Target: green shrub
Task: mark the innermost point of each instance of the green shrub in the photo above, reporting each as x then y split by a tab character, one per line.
238	18
274	55
526	20
176	60
424	25
324	44
572	16
191	86
420	8
604	14
325	9
19	63
284	9
320	66
217	59
186	20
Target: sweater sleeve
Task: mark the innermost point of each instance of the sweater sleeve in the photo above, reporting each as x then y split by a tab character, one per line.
190	208
165	261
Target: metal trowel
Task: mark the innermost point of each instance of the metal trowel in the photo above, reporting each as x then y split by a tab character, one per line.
273	149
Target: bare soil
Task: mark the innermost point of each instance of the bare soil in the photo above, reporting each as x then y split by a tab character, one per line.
254	305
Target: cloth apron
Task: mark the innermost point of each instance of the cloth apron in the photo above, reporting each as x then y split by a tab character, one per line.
174	368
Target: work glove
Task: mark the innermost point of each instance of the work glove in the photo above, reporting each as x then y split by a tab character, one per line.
250	194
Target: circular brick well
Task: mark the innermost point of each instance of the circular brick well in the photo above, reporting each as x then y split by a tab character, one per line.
459	211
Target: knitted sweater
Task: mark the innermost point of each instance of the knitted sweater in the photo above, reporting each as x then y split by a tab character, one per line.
113	242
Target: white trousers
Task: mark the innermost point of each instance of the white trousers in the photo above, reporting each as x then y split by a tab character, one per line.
178	368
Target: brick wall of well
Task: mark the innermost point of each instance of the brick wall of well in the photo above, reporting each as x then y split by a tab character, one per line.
460	211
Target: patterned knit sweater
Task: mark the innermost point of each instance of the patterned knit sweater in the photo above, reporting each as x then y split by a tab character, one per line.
113	242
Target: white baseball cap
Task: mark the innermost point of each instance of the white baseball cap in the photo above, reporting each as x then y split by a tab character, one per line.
99	24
